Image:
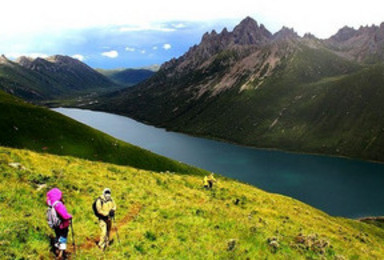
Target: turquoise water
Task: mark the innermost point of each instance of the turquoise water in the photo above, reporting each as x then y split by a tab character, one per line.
338	186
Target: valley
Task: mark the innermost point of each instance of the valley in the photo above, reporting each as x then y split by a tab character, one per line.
280	92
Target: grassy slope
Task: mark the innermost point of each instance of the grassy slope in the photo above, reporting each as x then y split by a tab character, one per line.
163	215
340	115
27	126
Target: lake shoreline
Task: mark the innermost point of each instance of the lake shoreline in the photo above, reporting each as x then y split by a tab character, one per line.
233	142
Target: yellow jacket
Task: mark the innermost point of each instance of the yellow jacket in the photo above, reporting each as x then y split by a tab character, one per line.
208	179
104	206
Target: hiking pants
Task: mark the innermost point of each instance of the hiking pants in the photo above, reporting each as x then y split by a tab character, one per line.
105	232
61	237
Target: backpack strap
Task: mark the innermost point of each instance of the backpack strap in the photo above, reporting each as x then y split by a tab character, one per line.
54	204
101	200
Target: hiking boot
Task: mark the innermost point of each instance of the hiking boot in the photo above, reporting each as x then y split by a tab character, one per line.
63	246
102	247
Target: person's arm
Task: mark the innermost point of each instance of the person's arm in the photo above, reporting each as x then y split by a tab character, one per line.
62	211
100	209
114	205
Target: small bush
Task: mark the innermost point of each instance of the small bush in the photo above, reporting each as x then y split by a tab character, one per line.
150	236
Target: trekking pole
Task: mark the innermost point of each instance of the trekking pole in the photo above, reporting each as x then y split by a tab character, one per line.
117	233
73	240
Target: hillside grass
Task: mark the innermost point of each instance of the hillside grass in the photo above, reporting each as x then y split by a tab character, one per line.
23	125
167	215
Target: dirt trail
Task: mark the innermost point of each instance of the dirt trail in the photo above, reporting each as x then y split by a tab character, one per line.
91	241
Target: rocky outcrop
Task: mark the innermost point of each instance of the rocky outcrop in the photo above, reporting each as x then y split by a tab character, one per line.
24	61
247	35
343	34
248	32
3	59
286	33
363	45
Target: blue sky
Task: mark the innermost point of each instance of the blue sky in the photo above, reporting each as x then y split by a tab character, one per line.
122	33
116	46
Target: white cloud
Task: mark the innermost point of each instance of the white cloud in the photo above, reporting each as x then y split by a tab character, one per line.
167	46
319	17
130	49
179	25
143	51
78	57
146	28
155	48
110	54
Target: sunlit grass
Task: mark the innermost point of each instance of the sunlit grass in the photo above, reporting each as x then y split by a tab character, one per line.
166	215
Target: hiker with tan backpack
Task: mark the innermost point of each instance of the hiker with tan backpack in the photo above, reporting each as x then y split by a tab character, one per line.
208	181
104	208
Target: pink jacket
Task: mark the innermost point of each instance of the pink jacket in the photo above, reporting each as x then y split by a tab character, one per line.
56	195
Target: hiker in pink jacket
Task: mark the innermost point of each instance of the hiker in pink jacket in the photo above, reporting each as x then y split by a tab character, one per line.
54	198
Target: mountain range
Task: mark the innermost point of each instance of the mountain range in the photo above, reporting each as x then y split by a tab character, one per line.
279	90
51	78
127	77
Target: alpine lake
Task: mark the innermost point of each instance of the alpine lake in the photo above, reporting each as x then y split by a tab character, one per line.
338	186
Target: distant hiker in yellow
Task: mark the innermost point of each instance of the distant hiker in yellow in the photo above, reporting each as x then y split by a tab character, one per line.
105	211
208	181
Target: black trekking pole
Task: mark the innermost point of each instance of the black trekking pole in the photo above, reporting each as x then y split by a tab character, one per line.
117	233
73	240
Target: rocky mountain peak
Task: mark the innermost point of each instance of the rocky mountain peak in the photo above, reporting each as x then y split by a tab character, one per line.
344	34
61	59
248	32
285	33
309	36
24	61
209	36
368	29
380	33
224	31
3	59
247	24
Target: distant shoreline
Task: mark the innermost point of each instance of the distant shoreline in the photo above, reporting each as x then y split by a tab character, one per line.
232	142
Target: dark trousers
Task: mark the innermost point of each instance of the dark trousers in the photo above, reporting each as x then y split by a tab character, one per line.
209	186
61	233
